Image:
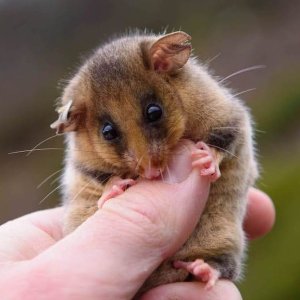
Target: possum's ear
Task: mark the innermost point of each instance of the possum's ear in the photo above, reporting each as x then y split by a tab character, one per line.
170	52
69	119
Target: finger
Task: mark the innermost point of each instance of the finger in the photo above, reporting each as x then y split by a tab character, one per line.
48	220
179	166
191	186
260	216
125	241
194	291
202	162
27	236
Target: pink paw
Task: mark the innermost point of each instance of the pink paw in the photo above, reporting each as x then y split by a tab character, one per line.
115	187
201	270
204	159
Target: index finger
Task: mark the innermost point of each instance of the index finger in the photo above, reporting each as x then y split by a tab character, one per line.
260	216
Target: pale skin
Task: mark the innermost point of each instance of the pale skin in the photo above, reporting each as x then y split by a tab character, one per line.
113	252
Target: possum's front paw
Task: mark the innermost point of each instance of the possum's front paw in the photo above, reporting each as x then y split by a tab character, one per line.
201	270
114	188
204	159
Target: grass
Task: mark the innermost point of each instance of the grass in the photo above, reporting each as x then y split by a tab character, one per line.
274	262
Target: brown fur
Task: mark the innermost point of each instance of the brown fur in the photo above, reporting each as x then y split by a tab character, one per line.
112	84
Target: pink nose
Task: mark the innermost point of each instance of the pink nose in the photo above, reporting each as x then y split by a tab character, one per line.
151	173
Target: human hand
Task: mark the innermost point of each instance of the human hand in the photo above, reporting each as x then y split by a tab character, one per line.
259	221
112	253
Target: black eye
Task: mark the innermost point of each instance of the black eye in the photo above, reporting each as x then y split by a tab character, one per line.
153	112
109	132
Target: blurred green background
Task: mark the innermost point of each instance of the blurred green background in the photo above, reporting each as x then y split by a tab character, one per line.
42	42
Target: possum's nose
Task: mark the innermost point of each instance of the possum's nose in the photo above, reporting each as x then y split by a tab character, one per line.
151	173
152	167
147	167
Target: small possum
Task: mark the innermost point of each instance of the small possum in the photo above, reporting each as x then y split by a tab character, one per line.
125	110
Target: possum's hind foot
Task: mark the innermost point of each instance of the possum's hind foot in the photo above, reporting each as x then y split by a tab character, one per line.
204	159
201	270
116	187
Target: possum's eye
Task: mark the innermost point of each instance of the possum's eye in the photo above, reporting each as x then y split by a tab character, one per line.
153	112
109	132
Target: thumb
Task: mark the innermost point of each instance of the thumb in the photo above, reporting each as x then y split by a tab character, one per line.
125	241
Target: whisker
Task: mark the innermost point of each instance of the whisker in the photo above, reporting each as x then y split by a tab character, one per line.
109	177
55	180
81	190
260	131
38	149
46	149
210	60
214	146
139	162
169	174
49	194
227	127
85	186
149	164
91	195
49	177
242	71
162	175
243	92
44	141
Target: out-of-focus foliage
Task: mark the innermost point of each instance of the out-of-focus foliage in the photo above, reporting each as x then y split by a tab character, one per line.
42	43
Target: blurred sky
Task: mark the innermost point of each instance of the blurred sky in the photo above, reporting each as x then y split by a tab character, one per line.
43	42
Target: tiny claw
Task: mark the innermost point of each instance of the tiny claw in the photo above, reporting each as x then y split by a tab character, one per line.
205	160
200	154
114	189
202	146
201	270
